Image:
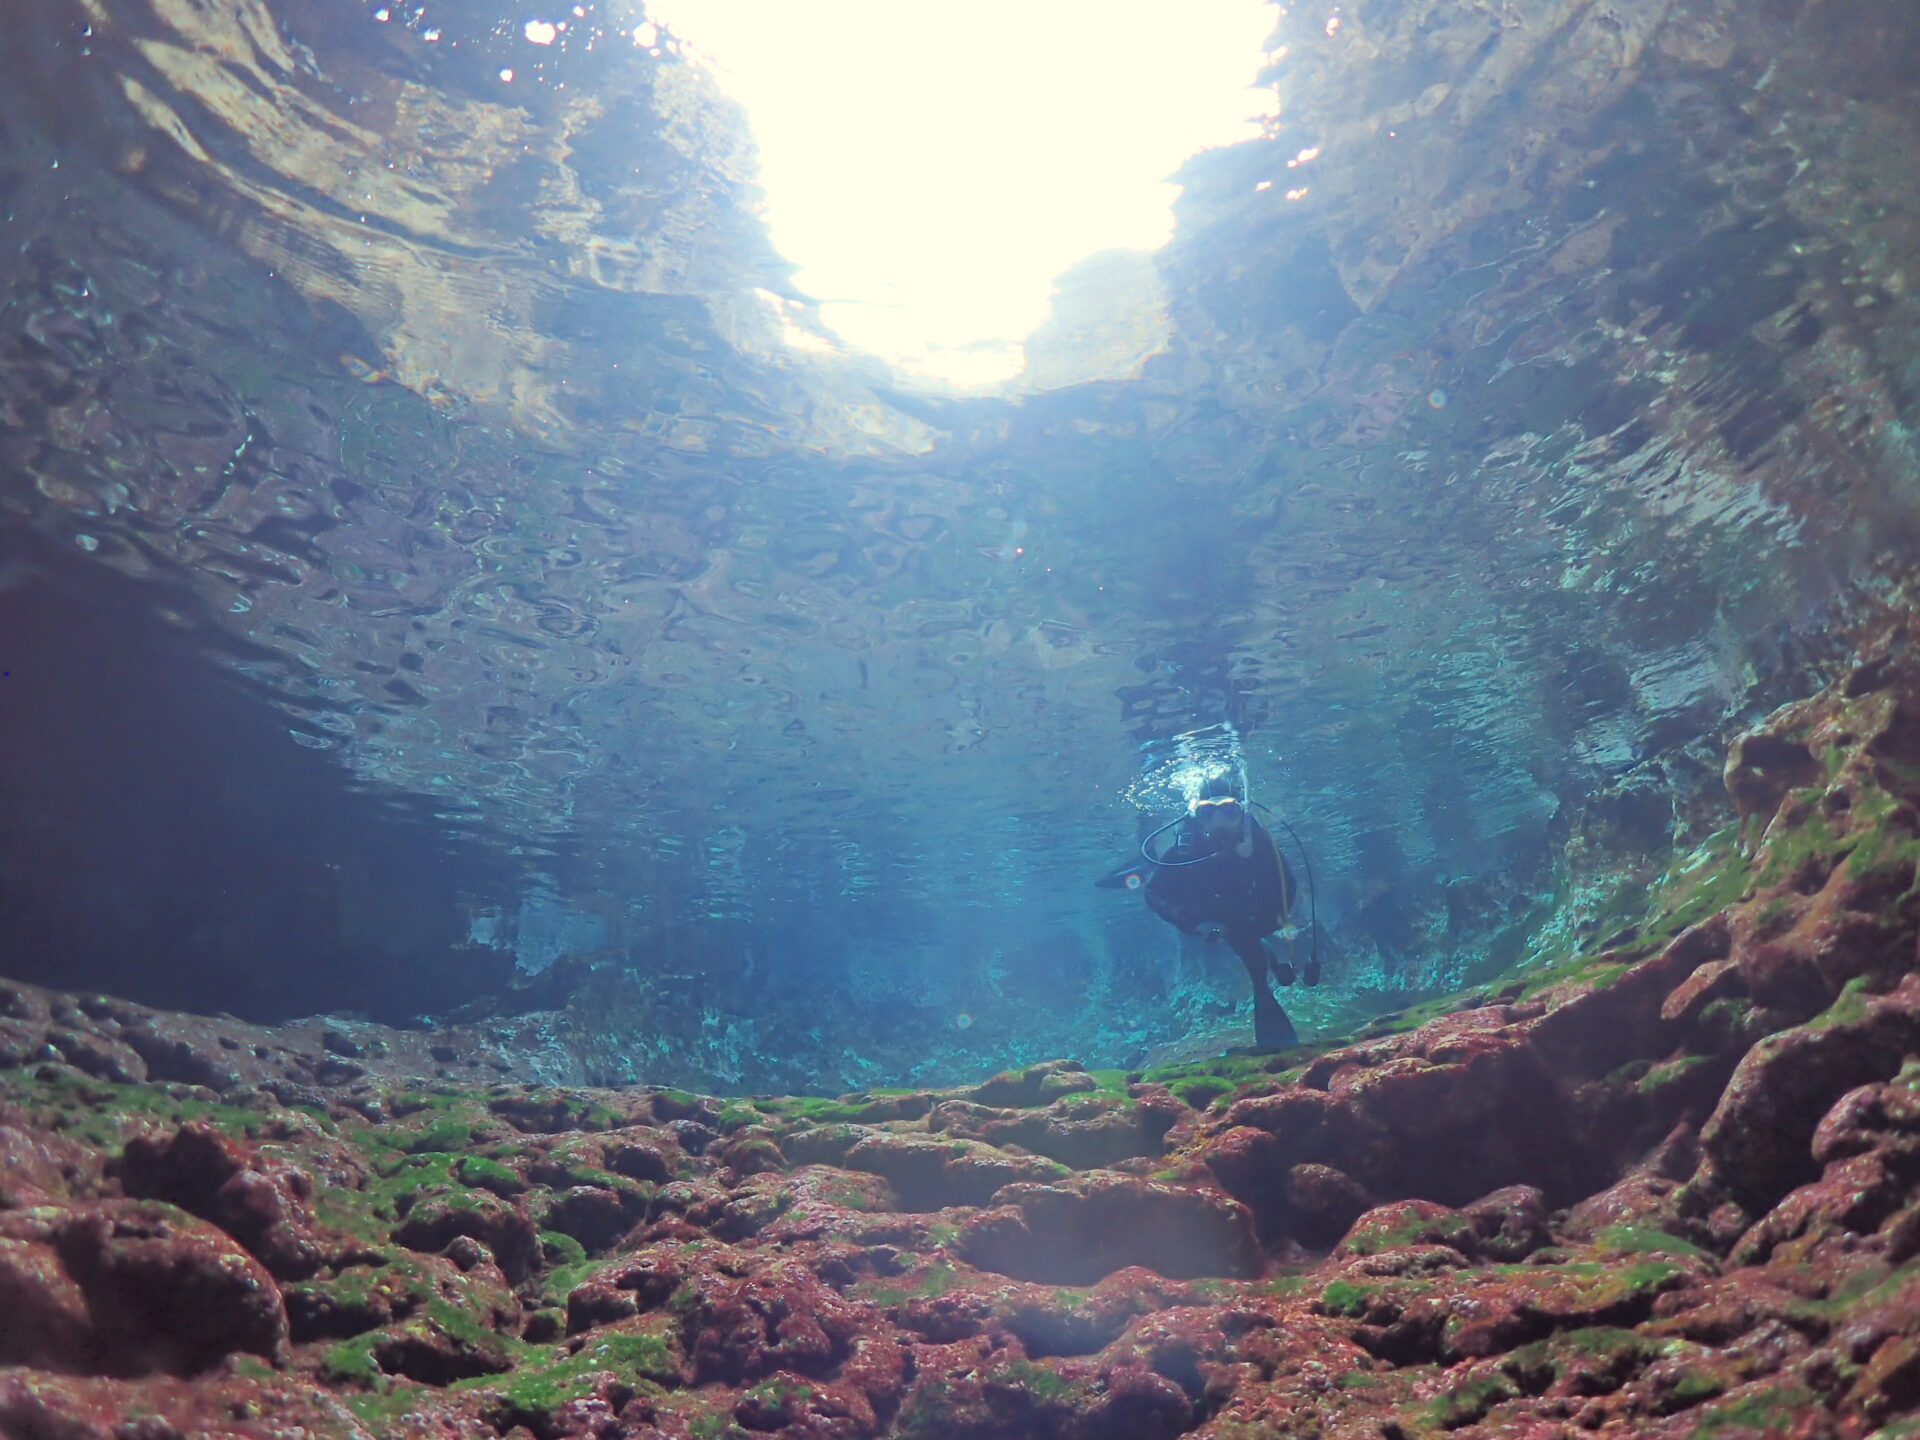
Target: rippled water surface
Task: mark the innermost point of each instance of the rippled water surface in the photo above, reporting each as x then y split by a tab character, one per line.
1561	418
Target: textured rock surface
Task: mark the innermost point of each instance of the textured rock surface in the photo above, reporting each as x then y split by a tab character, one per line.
1621	1196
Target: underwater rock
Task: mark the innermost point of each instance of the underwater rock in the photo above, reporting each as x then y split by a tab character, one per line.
1077	1234
264	1206
123	1287
1759	1138
1082	1130
1322	1203
37	1168
435	1221
929	1174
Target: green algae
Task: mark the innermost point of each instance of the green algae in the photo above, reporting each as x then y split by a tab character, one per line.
403	1103
1282	1287
351	1362
1593	972
387	1403
1415	1229
557	1249
103	1113
1787	849
1201	1091
779	1393
1645	1240
738	1114
849	1195
566	1276
396	1284
711	1426
1469	1402
1774	1408
443	1136
1600	1286
1700	883
927	1412
936	1280
1608	1342
485	1174
1038	1380
787	1112
1347	1300
537	1389
939	1279
1615	1354
1849	1007
1696	1387
1657	1078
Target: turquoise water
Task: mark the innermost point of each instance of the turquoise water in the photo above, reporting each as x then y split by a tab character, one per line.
573	616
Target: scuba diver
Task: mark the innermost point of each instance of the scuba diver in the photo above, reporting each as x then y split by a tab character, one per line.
1223	879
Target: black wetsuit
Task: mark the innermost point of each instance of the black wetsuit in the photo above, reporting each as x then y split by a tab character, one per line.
1248	895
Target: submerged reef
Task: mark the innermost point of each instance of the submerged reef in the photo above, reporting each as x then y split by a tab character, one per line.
1662	1188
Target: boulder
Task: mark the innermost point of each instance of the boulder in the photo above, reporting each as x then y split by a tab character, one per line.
1759	1138
1062	1235
131	1287
265	1206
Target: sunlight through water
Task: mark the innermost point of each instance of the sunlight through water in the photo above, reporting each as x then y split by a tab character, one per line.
931	170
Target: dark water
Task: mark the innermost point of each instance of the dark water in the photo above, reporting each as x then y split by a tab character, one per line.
417	546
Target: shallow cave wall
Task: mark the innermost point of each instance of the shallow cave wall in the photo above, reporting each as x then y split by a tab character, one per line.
1531	408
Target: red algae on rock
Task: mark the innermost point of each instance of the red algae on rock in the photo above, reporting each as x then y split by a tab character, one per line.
1666	1189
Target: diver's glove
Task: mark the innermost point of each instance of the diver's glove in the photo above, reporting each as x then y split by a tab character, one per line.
1213	933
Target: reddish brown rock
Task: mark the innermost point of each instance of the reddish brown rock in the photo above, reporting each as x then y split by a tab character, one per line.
102	1055
37	1168
595	1216
1855	1195
1250	1162
1759	1138
641	1158
1509	1224
1873	1117
776	1317
600	1301
425	1350
1322	1203
1409	1222
1715	980
122	1287
1034	1085
1074	1236
931	1174
43	1312
265	1206
503	1228
752	1151
1083	1131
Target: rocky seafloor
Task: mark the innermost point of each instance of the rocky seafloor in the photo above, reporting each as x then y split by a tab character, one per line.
1664	1187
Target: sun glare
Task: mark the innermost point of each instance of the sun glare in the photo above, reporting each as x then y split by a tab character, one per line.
929	170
